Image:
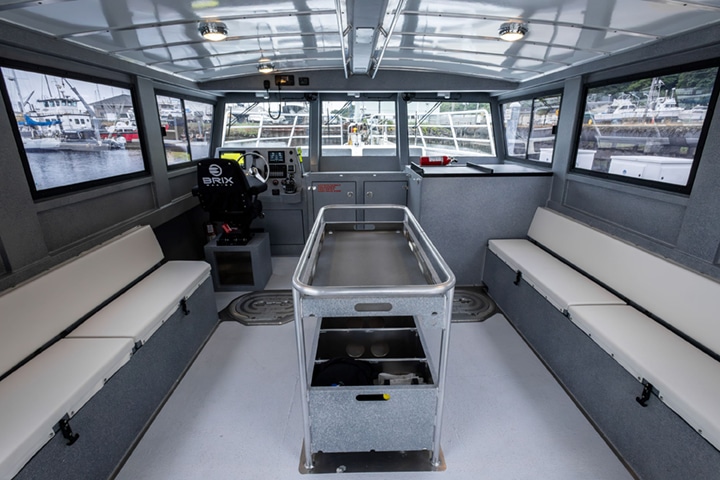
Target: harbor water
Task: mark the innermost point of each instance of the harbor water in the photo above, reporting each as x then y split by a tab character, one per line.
51	169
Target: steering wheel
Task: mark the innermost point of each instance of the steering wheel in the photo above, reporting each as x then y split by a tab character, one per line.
262	172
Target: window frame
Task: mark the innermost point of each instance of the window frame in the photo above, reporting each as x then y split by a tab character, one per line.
52	192
649	74
533	96
183	98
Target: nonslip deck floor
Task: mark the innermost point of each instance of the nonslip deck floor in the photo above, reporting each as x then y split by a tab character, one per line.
275	307
237	414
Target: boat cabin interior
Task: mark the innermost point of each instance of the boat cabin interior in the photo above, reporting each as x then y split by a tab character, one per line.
376	239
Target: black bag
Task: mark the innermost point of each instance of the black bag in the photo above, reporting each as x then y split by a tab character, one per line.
344	371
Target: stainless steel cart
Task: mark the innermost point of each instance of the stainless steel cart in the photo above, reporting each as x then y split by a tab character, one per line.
378	292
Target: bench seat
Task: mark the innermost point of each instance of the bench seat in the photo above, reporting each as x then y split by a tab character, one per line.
34	313
615	292
605	315
140	311
561	285
56	383
680	297
687	380
68	330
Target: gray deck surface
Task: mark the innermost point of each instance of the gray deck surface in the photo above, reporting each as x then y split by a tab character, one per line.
237	413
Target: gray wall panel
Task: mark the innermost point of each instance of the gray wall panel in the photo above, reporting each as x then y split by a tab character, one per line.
351	164
641	215
700	235
18	223
181	185
385	81
461	214
71	223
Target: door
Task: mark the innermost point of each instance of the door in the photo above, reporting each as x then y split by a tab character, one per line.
383	193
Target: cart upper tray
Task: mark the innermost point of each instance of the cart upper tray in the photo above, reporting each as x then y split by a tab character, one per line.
370	258
367	258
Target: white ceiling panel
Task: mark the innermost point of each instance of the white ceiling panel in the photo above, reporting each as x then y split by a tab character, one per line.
424	35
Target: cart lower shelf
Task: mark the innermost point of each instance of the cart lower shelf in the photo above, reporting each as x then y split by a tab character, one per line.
372	388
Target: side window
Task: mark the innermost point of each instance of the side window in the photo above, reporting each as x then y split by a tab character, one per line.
73	133
455	129
187	126
530	127
516	119
199	116
648	130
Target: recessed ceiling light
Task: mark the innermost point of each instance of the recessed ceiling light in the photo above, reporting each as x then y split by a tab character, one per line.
265	66
213	31
513	31
201	4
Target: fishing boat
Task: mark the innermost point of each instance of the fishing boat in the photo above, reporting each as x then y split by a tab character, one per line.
58	123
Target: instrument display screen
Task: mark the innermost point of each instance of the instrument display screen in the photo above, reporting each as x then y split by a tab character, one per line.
234	156
276	156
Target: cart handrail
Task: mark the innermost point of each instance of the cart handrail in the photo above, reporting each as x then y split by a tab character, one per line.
437	265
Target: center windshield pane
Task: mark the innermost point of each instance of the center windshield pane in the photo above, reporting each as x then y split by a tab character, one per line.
359	128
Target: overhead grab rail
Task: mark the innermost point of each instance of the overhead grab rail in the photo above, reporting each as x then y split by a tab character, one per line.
388	34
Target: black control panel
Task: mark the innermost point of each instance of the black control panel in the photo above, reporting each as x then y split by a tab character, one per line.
284	165
278	171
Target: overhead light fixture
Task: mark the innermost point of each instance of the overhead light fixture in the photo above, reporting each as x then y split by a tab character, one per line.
213	31
513	31
202	4
265	66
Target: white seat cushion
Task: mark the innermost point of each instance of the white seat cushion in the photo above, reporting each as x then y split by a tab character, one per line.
687	379
688	301
140	311
57	382
560	284
35	312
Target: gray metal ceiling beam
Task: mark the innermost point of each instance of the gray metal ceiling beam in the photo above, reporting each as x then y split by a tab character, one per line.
365	17
385	81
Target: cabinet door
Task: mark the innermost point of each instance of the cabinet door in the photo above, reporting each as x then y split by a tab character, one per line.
334	193
383	193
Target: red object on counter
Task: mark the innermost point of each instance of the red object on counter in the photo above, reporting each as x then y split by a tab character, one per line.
435	161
